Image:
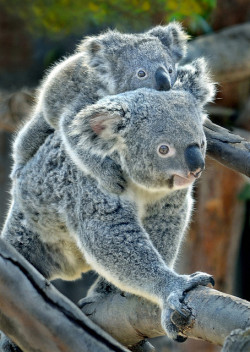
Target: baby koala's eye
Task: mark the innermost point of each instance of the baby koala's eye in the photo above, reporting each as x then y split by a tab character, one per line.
202	144
170	70
163	149
141	73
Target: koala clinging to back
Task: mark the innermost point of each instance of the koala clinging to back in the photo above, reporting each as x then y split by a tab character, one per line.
107	64
64	224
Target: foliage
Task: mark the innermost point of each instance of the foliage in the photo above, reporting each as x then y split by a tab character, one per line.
245	193
62	17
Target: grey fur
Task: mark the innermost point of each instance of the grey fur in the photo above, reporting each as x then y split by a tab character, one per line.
102	65
65	224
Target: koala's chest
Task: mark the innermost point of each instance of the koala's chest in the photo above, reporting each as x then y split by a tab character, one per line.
143	198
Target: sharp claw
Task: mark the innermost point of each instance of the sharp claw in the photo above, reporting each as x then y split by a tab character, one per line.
180	338
212	281
185	313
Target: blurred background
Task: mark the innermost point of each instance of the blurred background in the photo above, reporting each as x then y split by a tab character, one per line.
36	34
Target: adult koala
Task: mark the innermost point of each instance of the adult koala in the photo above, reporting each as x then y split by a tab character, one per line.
103	65
65	224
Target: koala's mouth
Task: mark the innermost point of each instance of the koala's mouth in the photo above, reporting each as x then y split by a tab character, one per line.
180	181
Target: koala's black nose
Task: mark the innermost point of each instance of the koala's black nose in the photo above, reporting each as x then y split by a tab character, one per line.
194	160
162	79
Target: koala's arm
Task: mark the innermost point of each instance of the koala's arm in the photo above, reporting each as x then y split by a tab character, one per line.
120	250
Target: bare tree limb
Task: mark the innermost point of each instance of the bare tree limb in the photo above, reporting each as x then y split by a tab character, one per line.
229	149
129	318
37	317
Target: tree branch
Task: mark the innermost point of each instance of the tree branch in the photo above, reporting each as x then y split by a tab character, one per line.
229	149
37	317
129	318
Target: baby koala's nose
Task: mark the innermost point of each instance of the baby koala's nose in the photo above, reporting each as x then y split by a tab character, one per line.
162	79
194	160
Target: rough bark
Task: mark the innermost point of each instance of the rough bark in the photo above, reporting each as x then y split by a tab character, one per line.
37	317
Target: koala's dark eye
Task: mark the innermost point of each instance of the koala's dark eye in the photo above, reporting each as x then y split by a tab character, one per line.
163	149
141	73
170	70
202	144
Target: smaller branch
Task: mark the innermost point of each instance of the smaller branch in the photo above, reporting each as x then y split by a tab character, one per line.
227	148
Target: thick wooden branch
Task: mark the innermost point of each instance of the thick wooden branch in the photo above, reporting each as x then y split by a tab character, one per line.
129	318
229	149
37	317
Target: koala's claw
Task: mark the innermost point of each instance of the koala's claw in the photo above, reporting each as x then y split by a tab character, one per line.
197	279
175	303
180	338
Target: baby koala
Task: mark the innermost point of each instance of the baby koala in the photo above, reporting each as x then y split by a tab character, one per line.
63	223
106	64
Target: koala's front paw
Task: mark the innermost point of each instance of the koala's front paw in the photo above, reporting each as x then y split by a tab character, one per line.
175	304
112	178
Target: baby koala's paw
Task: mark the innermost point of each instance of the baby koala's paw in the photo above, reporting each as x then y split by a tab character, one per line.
112	177
175	304
15	173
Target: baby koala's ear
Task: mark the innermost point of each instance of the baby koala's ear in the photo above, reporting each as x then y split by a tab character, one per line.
195	78
173	37
99	124
90	46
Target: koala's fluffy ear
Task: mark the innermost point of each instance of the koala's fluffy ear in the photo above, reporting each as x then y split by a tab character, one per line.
90	46
173	37
195	78
100	126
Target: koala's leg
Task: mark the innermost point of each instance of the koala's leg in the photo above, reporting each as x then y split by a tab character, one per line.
97	293
105	170
44	257
120	250
28	140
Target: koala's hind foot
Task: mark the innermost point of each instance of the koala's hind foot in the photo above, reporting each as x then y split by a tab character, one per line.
175	304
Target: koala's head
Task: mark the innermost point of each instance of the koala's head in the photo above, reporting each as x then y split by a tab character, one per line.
125	62
158	135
